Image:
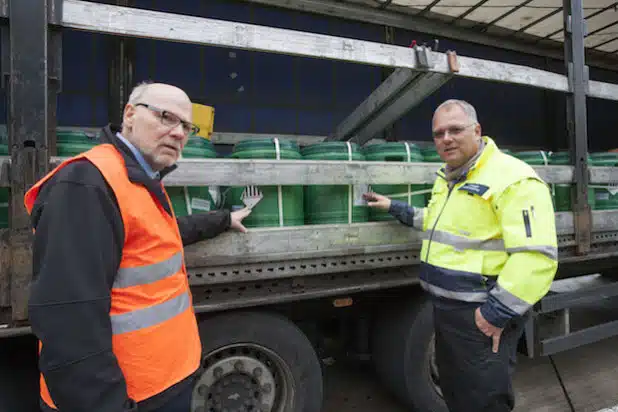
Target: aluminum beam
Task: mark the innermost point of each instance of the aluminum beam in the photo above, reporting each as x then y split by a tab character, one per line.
393	86
397	103
431	27
124	21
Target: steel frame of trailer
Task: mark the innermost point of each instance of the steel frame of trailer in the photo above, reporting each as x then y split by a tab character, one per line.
32	119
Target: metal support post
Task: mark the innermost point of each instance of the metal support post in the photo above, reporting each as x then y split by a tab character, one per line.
577	73
389	132
33	80
397	95
121	72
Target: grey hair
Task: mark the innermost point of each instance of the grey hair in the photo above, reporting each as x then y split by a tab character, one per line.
138	91
467	108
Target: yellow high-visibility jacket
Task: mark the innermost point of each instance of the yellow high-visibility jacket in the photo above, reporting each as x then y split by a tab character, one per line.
490	239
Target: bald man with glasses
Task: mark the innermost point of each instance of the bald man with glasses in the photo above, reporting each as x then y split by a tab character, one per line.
110	300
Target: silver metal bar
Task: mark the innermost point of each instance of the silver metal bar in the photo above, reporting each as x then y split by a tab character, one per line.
243	172
109	19
324	241
415	93
391	87
313	293
498	37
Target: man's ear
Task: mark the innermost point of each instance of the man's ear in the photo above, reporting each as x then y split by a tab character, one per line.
477	129
128	116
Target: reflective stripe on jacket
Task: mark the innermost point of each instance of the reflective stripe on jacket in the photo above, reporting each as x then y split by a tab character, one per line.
155	337
491	238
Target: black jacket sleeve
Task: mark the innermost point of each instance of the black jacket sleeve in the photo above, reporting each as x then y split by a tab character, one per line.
202	226
77	250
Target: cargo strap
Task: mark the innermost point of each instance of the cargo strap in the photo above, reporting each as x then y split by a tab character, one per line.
279	191
409	185
350	187
546	163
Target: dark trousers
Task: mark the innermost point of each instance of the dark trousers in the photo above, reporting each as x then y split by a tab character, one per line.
179	403
472	377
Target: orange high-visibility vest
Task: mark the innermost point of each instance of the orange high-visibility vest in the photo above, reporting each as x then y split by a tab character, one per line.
155	336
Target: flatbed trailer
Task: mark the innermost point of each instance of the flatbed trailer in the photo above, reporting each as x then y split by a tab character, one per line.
270	301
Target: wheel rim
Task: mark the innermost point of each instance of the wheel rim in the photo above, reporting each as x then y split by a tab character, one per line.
244	378
434	375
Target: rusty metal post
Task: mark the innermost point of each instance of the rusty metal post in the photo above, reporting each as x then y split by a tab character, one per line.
33	79
577	73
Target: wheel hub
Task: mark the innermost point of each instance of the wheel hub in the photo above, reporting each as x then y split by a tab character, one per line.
235	384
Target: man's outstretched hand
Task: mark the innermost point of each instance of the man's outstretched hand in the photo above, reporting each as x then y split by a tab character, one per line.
237	218
377	201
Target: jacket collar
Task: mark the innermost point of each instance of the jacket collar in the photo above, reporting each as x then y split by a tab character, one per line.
488	152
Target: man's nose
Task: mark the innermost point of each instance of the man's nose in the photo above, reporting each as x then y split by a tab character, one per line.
178	131
447	138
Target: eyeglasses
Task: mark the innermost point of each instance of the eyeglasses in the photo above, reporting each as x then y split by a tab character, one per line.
452	131
171	120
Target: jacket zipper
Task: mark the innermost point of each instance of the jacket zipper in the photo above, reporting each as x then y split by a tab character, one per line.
436	223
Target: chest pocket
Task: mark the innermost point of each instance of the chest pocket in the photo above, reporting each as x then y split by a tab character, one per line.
439	194
471	211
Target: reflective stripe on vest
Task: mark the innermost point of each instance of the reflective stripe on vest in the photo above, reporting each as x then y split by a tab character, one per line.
154	331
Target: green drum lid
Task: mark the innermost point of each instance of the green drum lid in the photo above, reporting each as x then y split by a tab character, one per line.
604	159
71	143
332	151
265	149
393	152
535	157
198	147
562	159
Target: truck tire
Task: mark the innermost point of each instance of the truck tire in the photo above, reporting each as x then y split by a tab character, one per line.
403	354
255	361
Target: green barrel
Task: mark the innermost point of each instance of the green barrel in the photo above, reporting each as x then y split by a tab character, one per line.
4	194
605	198
394	152
562	192
534	157
72	143
430	155
328	204
266	213
195	199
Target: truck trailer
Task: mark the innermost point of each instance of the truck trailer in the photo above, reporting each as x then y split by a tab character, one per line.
314	102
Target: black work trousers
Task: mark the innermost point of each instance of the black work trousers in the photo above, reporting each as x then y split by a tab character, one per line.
472	377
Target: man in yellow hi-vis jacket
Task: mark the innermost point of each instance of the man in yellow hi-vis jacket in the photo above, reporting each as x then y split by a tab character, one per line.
489	253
